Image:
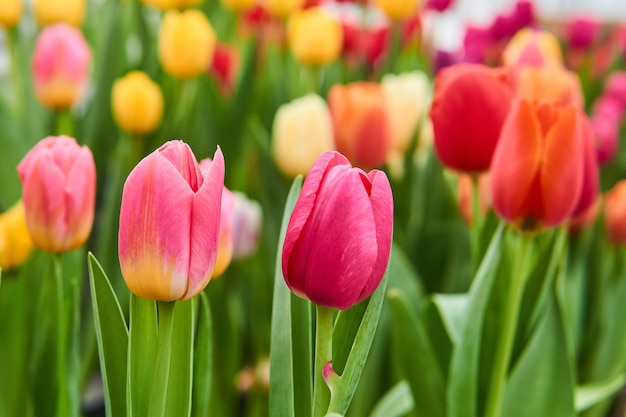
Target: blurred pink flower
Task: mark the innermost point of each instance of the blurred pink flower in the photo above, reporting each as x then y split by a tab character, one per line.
582	31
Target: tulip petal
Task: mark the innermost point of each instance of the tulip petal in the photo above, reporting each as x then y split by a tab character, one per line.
590	185
516	163
205	226
80	195
183	159
562	162
154	240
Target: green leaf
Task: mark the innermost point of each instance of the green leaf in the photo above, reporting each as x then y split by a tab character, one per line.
346	327
542	379
462	393
203	359
142	352
397	402
590	394
343	393
452	309
112	335
180	378
281	355
302	352
416	355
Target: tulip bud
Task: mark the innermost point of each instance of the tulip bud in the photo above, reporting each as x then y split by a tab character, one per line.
225	67
10	12
438	5
333	256
615	213
48	12
314	36
238	5
535	184
59	191
406	96
15	241
469	107
186	43
137	103
398	9
171	4
60	66
361	122
247	220
530	47
283	8
582	32
169	223
302	131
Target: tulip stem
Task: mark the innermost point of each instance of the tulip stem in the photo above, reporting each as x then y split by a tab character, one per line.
164	352
62	393
504	345
477	221
323	354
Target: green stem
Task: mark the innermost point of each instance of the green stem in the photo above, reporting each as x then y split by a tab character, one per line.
476	223
504	345
63	123
61	352
16	74
164	353
323	354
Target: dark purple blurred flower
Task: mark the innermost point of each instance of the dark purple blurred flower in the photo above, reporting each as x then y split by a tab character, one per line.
582	31
443	59
438	5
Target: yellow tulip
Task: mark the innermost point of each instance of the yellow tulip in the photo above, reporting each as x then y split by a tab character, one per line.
186	43
15	242
398	9
171	4
137	103
10	12
283	8
57	11
314	36
238	5
302	131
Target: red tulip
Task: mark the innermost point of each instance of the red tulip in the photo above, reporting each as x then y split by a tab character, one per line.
225	67
334	256
469	107
537	169
170	223
590	183
59	191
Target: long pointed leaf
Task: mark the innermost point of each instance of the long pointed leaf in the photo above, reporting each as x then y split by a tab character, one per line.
397	402
590	394
203	359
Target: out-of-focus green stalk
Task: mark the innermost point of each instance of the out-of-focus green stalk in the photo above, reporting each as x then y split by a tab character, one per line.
323	354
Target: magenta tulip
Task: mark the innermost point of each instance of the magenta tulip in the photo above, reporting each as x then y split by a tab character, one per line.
170	222
339	236
59	190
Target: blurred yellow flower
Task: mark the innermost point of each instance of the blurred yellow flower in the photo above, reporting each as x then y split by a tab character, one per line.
530	47
57	11
283	8
302	131
171	4
314	36
398	9
137	103
10	12
15	242
186	43
238	5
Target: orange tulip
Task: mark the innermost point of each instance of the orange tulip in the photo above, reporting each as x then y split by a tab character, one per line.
361	123
537	168
549	83
615	213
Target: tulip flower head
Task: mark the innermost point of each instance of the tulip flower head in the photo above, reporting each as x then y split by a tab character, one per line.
590	182
302	131
48	12
238	5
582	31
549	83
59	190
537	169
615	213
186	43
314	36
10	12
60	66
225	66
469	106
398	9
530	47
170	222
247	220
171	4
282	8
137	103
15	241
338	240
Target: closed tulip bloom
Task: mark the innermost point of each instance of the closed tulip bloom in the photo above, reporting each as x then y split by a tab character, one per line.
186	43
48	12
238	5
15	241
60	66
537	169
469	106
171	4
302	131
606	130
582	31
530	47
247	221
615	213
225	67
283	8
549	83
314	36
590	183
169	223
10	12
59	191
361	122
407	96
398	9
137	103
333	256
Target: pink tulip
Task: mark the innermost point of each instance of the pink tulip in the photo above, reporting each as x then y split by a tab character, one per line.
60	66
615	88
582	32
339	235
170	223
247	220
606	130
59	190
